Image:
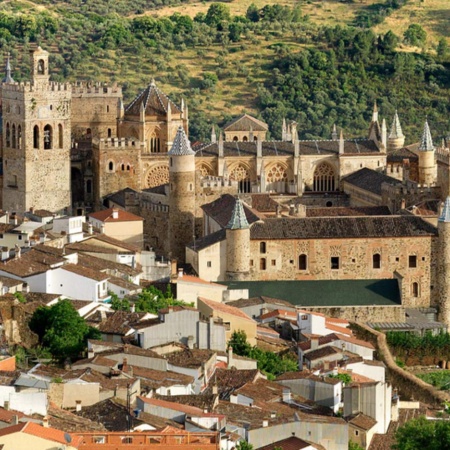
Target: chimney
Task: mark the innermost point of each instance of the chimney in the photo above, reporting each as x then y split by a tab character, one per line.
190	342
215	389
90	228
287	396
314	343
230	356
403	205
6	405
115	213
180	272
31	210
15	420
77	405
265	423
125	365
45	422
278	210
102	228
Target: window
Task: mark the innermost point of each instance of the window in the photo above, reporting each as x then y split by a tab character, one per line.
302	262
20	237
262	247
89	187
41	67
304	317
8	135
99	439
122	167
36	136
13	137
415	289
274	262
109	132
335	262
111	166
412	261
128	167
251	262
60	136
376	261
208	264
19	137
262	264
127	440
356	432
107	108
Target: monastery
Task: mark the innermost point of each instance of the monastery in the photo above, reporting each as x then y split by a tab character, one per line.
240	207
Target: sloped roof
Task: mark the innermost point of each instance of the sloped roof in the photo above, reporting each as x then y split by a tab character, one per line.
154	102
108	216
224	308
426	143
245	123
370	180
238	220
181	145
362	421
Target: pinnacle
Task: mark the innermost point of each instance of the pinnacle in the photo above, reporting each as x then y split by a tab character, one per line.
445	216
181	145
396	128
238	219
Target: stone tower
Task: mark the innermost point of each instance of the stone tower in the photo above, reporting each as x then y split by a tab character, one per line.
36	141
443	264
182	195
396	138
427	165
238	244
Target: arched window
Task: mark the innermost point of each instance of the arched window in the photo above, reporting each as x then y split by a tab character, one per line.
107	108
13	136
41	67
128	167
122	167
302	262
242	176
245	139
255	138
277	179
235	139
262	247
88	132
89	187
60	136
111	166
19	137
48	137
36	136
262	264
376	261
8	135
324	180
109	132
415	289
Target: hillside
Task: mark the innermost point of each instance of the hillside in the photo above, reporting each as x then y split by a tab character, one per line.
285	59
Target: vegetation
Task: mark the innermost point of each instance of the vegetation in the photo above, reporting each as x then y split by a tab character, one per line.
271	59
440	380
269	363
61	330
354	446
409	345
419	434
344	377
149	300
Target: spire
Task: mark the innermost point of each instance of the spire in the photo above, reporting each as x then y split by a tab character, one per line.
220	144
334	134
341	143
384	133
152	82
445	216
238	219
8	78
396	128
181	145
375	112
426	144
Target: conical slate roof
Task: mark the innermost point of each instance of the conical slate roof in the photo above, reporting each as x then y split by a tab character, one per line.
154	102
445	216
8	78
181	145
238	219
426	143
396	128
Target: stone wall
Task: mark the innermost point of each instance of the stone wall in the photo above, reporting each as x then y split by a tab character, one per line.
363	313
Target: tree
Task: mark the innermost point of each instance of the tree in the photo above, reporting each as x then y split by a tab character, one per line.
239	344
61	330
354	446
415	35
419	434
217	13
152	300
252	13
442	49
244	445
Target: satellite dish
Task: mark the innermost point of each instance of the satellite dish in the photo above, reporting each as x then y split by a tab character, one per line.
68	438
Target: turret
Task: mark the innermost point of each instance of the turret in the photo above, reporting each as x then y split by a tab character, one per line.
427	164
8	78
384	134
40	71
396	139
213	135
443	262
334	134
238	244
341	143
182	195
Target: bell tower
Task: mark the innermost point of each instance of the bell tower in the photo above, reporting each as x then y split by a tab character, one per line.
36	141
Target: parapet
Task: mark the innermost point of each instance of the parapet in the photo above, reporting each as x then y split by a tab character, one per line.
27	86
95	88
212	182
118	143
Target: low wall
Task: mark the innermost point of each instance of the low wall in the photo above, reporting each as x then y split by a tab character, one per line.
409	386
362	314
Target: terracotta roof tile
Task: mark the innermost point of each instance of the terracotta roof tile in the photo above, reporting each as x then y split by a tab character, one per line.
85	272
362	421
172	405
107	215
225	308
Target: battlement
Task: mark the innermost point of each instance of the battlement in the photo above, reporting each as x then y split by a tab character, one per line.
410	188
27	86
213	183
443	155
155	207
94	89
118	143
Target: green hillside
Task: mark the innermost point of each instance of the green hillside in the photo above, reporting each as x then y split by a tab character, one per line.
316	62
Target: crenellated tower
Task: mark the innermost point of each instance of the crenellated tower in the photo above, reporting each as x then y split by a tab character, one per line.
182	195
36	141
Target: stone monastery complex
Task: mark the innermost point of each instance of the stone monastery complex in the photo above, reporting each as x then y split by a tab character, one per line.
239	208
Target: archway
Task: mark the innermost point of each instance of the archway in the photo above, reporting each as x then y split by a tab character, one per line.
277	179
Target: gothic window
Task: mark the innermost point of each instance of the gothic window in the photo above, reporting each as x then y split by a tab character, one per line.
277	173
19	137
157	176
255	138
204	171
111	166
245	139
262	247
324	179
36	136
262	264
235	139
123	167
128	167
376	261
415	289
13	136
155	144
8	135
302	262
48	138
60	136
41	67
109	132
89	187
241	175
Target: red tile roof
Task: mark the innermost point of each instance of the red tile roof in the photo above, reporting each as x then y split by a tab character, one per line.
172	405
122	216
224	308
